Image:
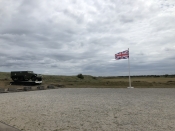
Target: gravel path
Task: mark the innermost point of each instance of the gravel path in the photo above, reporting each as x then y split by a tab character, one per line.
90	109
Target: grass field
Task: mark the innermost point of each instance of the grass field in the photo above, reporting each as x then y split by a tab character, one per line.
91	81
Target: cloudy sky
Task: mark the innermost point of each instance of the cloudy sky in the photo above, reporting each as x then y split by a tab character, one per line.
68	37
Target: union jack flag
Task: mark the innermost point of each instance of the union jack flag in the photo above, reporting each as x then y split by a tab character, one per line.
122	55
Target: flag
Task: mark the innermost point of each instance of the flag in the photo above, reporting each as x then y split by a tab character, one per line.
122	55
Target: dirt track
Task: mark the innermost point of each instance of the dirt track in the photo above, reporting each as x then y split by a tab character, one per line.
90	109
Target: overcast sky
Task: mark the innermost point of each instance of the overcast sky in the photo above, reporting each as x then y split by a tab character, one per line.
68	37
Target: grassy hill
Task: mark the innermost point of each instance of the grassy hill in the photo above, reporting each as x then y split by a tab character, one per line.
91	81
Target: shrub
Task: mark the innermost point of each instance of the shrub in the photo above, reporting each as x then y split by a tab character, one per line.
80	76
94	77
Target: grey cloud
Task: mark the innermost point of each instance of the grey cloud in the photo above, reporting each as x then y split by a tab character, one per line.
68	38
164	23
79	18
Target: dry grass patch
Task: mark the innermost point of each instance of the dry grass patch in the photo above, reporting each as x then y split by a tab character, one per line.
91	81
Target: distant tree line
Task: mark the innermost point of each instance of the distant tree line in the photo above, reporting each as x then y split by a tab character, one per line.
81	76
166	75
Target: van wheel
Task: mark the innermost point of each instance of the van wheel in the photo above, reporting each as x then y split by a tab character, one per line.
15	78
34	78
39	79
21	78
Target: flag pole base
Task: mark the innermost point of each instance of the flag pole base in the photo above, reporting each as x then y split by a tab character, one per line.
130	87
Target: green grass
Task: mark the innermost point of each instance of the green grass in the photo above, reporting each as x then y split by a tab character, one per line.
91	81
4	75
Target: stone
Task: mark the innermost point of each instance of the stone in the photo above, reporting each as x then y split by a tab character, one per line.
51	87
27	88
41	88
12	89
3	90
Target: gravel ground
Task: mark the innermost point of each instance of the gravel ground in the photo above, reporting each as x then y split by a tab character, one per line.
90	109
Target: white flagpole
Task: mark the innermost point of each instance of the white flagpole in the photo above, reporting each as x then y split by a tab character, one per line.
129	72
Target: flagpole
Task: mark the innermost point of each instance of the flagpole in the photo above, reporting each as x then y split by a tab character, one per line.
129	71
